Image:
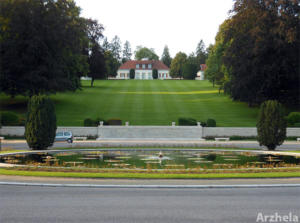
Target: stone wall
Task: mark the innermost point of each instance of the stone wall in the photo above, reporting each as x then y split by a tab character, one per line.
226	131
151	132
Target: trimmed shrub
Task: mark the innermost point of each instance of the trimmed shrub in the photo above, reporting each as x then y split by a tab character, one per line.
203	124
88	122
155	73
271	125
98	120
9	119
40	124
114	121
292	118
211	123
132	73
187	121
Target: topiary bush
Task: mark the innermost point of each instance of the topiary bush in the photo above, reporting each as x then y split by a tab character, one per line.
211	123
40	124
88	122
114	121
132	73
271	125
155	73
9	119
187	121
292	118
203	124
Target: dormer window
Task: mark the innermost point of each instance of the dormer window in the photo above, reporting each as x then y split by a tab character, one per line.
144	66
149	66
137	66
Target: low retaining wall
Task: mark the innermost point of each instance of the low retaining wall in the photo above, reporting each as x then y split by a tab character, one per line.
224	131
152	132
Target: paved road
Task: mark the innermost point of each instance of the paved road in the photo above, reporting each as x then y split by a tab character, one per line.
45	204
91	181
21	144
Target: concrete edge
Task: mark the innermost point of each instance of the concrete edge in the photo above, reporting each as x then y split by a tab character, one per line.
152	186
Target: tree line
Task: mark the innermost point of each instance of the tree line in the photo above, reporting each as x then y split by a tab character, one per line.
256	54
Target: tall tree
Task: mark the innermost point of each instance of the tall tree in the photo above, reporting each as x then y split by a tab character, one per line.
41	46
94	30
216	72
201	53
105	44
263	56
190	68
177	65
111	64
126	52
116	48
166	58
97	64
95	53
144	52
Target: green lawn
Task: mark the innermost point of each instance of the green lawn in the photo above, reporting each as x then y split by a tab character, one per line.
143	102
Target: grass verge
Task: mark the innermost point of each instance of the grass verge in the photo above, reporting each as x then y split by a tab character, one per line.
149	175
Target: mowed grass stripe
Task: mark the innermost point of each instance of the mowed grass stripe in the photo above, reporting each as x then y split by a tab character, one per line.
138	104
200	113
159	104
174	102
117	107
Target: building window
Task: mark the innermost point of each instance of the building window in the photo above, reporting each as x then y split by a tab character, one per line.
137	66
144	66
149	66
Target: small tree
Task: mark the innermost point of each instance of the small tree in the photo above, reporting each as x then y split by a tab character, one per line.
40	125
155	73
271	125
132	73
211	122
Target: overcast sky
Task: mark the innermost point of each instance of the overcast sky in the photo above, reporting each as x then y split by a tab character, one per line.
180	24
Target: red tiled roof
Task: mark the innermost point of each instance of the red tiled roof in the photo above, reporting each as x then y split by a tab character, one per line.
203	67
156	64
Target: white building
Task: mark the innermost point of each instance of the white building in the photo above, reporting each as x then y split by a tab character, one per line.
143	69
201	72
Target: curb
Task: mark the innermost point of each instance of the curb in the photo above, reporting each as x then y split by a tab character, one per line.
153	186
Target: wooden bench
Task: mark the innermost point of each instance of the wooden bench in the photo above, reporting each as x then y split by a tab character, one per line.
221	139
79	138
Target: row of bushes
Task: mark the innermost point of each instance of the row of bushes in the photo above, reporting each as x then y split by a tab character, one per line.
88	122
11	119
192	122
